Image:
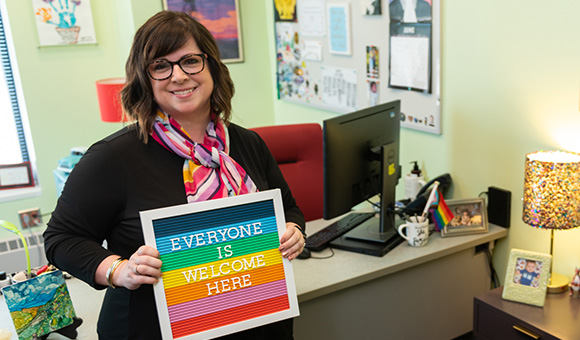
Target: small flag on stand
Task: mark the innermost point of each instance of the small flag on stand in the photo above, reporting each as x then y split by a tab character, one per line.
442	214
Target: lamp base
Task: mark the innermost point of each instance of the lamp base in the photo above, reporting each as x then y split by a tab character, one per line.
558	283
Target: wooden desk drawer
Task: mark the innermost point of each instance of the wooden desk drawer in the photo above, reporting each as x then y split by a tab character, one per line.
491	323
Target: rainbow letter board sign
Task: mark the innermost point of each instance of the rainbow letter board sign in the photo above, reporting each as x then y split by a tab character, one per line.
222	270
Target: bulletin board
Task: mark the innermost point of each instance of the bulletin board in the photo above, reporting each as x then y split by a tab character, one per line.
347	55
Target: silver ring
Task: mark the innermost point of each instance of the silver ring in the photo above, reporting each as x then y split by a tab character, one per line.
135	270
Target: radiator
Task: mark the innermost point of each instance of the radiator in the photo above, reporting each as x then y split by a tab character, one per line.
13	255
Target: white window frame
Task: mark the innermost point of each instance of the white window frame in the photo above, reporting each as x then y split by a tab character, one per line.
14	194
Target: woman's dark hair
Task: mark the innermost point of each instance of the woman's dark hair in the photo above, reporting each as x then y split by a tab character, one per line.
162	34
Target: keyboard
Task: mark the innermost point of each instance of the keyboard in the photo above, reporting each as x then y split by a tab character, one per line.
322	238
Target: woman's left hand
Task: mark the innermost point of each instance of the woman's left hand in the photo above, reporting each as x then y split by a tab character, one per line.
292	241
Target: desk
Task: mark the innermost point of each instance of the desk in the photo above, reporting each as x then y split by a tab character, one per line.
496	318
410	293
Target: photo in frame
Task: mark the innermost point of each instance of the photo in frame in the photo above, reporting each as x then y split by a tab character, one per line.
222	268
13	176
470	217
221	18
527	277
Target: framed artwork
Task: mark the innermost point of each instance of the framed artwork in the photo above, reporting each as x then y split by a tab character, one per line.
338	18
221	18
470	217
527	277
14	176
64	22
222	268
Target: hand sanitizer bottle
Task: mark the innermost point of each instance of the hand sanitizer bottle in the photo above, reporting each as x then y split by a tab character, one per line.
413	182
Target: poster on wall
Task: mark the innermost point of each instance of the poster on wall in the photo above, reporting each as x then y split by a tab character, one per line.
64	22
221	18
285	10
339	29
222	269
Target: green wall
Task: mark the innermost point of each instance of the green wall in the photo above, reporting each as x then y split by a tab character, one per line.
59	82
510	85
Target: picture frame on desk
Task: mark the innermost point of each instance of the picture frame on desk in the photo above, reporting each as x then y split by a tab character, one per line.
527	277
470	217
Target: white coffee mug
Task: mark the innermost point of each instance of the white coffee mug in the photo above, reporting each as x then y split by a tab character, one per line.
417	232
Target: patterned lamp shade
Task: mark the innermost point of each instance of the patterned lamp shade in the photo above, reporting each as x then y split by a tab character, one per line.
109	99
552	190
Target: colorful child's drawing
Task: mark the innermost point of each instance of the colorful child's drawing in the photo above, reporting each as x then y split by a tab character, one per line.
64	22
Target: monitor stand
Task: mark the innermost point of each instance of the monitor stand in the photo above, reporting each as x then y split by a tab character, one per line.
382	229
377	246
369	231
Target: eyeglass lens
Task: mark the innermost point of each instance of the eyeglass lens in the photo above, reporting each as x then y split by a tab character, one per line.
163	69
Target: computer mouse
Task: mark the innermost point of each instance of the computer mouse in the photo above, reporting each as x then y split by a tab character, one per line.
304	254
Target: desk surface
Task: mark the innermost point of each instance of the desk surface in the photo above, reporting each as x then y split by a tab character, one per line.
317	277
314	277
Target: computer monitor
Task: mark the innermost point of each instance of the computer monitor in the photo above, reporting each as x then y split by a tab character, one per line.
361	160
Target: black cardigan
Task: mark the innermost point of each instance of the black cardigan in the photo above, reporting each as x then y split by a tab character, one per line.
118	177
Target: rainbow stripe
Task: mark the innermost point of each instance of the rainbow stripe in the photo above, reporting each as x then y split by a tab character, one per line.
220	271
442	215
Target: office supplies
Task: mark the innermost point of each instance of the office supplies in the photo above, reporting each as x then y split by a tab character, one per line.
432	198
322	238
417	234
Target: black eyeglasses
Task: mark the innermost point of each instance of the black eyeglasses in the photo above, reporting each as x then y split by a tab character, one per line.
190	64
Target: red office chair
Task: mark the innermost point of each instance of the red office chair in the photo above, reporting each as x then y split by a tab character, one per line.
298	150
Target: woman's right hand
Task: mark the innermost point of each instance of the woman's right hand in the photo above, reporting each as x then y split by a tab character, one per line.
143	267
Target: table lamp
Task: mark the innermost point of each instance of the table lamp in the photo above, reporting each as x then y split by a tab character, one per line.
109	99
552	198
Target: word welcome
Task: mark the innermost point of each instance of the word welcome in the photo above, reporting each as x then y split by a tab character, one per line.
216	236
225	268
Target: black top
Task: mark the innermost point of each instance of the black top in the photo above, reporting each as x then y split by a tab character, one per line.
118	177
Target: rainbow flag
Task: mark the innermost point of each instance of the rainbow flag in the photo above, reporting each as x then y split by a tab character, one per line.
441	215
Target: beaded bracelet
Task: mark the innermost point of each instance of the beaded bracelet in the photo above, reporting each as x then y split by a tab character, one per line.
111	272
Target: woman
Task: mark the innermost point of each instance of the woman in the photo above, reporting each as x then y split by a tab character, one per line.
179	92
